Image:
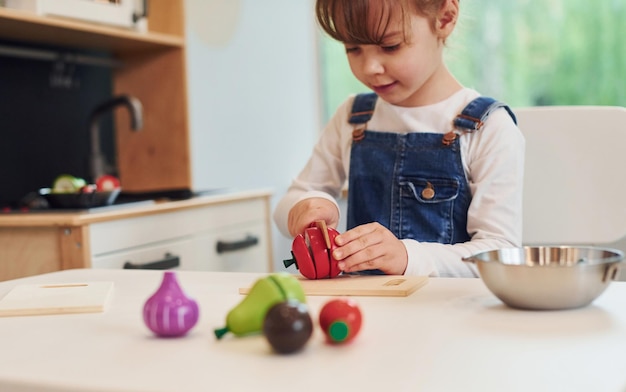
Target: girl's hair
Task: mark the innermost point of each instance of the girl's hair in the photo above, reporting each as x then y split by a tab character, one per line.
351	21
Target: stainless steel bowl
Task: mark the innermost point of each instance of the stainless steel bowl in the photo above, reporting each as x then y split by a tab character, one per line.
547	277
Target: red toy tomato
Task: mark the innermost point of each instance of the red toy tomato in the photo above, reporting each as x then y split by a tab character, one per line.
340	319
107	183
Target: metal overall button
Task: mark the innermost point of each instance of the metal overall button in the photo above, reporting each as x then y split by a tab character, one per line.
449	138
358	134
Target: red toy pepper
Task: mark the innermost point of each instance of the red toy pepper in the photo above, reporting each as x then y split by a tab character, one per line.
311	255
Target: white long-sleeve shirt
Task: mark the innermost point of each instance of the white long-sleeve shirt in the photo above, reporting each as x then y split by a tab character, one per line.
493	161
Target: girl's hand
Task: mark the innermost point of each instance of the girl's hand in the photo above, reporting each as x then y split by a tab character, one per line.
370	246
310	210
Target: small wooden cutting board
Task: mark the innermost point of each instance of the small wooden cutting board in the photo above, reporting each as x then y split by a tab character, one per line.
361	285
39	299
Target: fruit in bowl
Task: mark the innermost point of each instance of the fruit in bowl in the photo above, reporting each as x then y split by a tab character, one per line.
67	183
68	191
107	183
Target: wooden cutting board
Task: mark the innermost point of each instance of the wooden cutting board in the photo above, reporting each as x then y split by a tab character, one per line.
38	299
361	285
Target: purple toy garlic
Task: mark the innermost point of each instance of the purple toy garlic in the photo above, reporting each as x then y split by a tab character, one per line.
169	312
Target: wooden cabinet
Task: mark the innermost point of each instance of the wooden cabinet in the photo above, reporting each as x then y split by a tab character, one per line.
153	70
33	250
225	232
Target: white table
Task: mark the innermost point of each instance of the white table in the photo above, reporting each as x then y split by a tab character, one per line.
451	335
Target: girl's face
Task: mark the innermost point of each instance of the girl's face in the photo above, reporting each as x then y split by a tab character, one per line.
404	71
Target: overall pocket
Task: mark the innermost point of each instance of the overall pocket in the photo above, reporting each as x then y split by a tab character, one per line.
426	208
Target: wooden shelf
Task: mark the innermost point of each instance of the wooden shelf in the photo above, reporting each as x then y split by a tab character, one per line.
153	71
29	27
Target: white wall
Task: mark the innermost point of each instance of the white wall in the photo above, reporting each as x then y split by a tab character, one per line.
253	95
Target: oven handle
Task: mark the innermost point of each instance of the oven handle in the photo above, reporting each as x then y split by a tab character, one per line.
168	261
233	246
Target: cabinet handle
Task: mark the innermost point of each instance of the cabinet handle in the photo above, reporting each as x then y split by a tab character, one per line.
224	246
168	261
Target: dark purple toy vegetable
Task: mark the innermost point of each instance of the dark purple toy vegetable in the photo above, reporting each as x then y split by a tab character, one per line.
288	326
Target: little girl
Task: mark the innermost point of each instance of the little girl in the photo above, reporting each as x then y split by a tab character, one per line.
434	170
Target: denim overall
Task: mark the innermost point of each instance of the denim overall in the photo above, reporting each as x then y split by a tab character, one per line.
413	184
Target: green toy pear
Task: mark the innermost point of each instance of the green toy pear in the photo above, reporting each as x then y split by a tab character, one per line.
247	317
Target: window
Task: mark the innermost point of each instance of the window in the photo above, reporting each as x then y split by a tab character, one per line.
524	52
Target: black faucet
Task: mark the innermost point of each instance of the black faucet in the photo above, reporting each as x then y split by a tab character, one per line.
97	161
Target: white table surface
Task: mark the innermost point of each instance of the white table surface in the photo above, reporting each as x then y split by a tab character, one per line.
451	335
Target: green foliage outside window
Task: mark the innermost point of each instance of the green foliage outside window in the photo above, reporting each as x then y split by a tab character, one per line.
524	52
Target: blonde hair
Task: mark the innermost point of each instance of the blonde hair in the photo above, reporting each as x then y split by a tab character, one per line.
350	20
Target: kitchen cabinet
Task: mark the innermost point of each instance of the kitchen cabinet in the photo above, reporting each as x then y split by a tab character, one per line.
225	237
221	232
153	70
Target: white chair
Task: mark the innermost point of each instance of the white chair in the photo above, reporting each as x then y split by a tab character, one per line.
575	175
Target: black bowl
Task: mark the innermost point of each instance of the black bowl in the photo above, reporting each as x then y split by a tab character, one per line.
79	200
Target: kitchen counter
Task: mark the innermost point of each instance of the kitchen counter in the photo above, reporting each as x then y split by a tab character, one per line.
450	335
59	217
226	230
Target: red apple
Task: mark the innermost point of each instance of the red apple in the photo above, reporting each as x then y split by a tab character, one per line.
89	188
340	319
107	183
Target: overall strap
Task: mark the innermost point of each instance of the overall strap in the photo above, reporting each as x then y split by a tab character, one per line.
476	113
363	108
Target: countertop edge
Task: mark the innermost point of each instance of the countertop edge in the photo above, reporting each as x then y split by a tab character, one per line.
80	218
